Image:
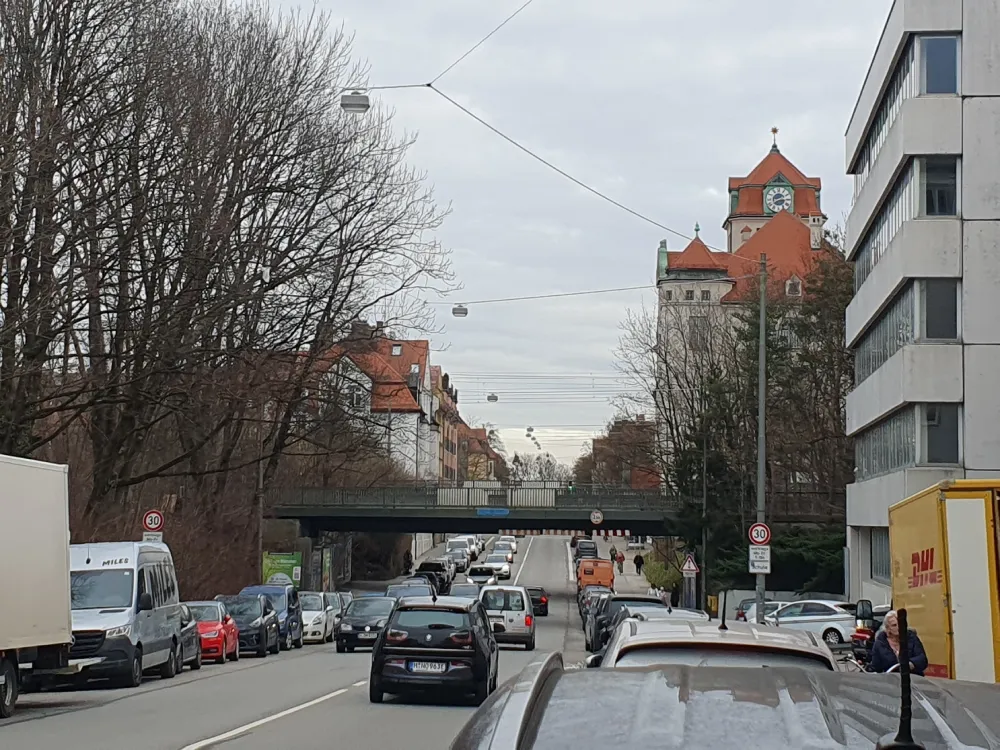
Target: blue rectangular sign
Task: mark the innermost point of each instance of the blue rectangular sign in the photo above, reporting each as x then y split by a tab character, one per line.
493	512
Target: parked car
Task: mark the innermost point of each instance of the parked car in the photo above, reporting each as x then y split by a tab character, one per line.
769	609
585	548
510	608
190	650
439	569
828	619
362	622
285	600
317	617
257	621
597	629
402	590
436	645
539	600
334	600
576	539
220	638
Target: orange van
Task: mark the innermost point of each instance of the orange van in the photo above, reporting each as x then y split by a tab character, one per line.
593	572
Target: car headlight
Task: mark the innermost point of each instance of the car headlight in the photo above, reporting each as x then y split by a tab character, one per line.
211	634
317	620
256	623
124	630
345	626
381	623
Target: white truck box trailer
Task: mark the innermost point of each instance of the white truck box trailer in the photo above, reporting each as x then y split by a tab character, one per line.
35	618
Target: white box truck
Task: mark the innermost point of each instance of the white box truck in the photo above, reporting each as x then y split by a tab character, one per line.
35	622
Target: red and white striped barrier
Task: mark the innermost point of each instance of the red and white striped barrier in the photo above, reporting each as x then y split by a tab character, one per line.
559	532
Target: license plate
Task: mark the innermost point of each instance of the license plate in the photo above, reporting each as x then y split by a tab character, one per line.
431	667
367	636
496	620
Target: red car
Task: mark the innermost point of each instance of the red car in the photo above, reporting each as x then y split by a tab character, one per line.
220	638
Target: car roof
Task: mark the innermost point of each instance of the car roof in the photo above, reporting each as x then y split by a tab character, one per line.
665	613
546	707
503	587
204	601
454	603
682	632
654	600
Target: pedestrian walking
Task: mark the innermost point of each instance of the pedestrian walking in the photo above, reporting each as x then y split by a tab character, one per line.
620	558
638	560
613	553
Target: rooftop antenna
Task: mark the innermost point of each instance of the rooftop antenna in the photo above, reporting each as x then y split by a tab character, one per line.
904	737
722	614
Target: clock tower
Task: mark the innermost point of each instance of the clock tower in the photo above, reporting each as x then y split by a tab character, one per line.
774	185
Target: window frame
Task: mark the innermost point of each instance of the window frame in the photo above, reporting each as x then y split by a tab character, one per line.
922	63
921	175
689	295
706	295
921	310
922	439
883	560
397	350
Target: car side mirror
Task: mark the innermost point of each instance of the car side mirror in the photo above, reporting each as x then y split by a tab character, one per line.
145	602
227	619
498	628
865	610
593	661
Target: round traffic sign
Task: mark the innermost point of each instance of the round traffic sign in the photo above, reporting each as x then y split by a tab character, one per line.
596	517
152	520
760	534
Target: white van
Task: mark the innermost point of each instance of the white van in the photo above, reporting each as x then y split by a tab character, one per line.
126	610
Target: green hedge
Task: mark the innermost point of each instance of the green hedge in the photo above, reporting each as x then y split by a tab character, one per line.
658	574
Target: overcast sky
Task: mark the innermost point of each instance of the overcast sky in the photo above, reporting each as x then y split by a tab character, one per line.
654	102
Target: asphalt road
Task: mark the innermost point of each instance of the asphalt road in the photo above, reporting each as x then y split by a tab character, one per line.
310	698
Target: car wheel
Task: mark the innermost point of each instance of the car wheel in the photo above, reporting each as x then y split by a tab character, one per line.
236	651
482	692
180	659
287	644
833	637
277	644
298	641
341	648
329	638
375	694
196	664
133	678
225	653
263	648
169	668
8	693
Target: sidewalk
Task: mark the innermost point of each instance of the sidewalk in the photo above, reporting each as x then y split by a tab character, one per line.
627	582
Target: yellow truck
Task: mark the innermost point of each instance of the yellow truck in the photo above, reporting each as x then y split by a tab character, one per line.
944	544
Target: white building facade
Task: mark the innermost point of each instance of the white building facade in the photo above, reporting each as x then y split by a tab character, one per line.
923	147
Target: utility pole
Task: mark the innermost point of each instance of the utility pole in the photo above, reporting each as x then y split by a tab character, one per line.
259	499
704	506
761	411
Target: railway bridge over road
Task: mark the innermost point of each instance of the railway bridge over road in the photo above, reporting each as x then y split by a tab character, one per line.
477	507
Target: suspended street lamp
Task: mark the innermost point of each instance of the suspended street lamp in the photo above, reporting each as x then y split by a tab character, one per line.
460	311
530	429
356	103
493	398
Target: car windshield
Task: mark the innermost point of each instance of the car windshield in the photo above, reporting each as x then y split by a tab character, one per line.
586	544
277	601
311	602
469	590
400	591
717	657
206	612
370	606
432	619
458	544
457	554
435	567
243	607
503	545
101	589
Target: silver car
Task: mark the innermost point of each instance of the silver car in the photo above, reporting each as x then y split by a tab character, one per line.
510	607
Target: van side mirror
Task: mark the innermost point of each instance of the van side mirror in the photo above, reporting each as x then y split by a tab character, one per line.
864	610
593	661
145	602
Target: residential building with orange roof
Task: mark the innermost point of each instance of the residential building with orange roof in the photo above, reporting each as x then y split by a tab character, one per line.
775	210
923	233
449	422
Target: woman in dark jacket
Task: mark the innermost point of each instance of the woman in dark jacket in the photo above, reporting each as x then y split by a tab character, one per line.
885	650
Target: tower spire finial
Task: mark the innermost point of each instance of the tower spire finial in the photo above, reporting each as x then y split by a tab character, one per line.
697	228
774	135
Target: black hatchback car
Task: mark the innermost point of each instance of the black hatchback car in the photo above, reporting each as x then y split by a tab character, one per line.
442	644
257	622
362	622
539	600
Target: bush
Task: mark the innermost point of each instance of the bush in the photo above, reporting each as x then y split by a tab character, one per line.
660	575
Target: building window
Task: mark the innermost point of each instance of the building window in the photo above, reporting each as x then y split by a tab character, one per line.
668	295
939	434
788	337
706	295
891	331
899	208
689	295
881	560
698	332
939	63
397	349
793	287
886	446
939	178
939	309
902	86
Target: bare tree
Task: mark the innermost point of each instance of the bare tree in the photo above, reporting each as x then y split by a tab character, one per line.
542	467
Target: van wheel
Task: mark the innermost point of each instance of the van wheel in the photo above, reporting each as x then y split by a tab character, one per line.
133	678
8	692
530	645
169	668
180	659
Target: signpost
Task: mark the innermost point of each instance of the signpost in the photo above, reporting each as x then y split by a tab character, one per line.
152	526
760	549
690	571
596	517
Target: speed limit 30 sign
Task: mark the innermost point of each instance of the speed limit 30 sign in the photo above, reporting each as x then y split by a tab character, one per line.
152	520
760	533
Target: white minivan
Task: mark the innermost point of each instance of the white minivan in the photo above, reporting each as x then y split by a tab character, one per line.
126	610
510	607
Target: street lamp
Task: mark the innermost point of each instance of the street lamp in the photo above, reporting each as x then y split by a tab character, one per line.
356	103
493	398
460	311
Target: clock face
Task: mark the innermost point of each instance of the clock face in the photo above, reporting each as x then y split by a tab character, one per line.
779	199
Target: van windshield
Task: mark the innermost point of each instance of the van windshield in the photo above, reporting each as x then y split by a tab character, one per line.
101	589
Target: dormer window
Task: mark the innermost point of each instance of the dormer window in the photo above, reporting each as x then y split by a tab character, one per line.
793	287
706	295
397	350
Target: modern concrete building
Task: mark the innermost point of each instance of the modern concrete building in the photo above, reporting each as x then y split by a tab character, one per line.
923	146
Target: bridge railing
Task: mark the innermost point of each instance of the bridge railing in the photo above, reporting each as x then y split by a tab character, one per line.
428	497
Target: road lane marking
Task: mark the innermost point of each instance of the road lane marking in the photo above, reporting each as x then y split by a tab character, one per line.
201	744
520	568
359	683
569	563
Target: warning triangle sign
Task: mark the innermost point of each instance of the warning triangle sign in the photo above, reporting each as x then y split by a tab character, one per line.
690	566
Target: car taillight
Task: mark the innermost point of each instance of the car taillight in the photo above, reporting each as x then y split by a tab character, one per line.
396	636
528	619
461	638
545	600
